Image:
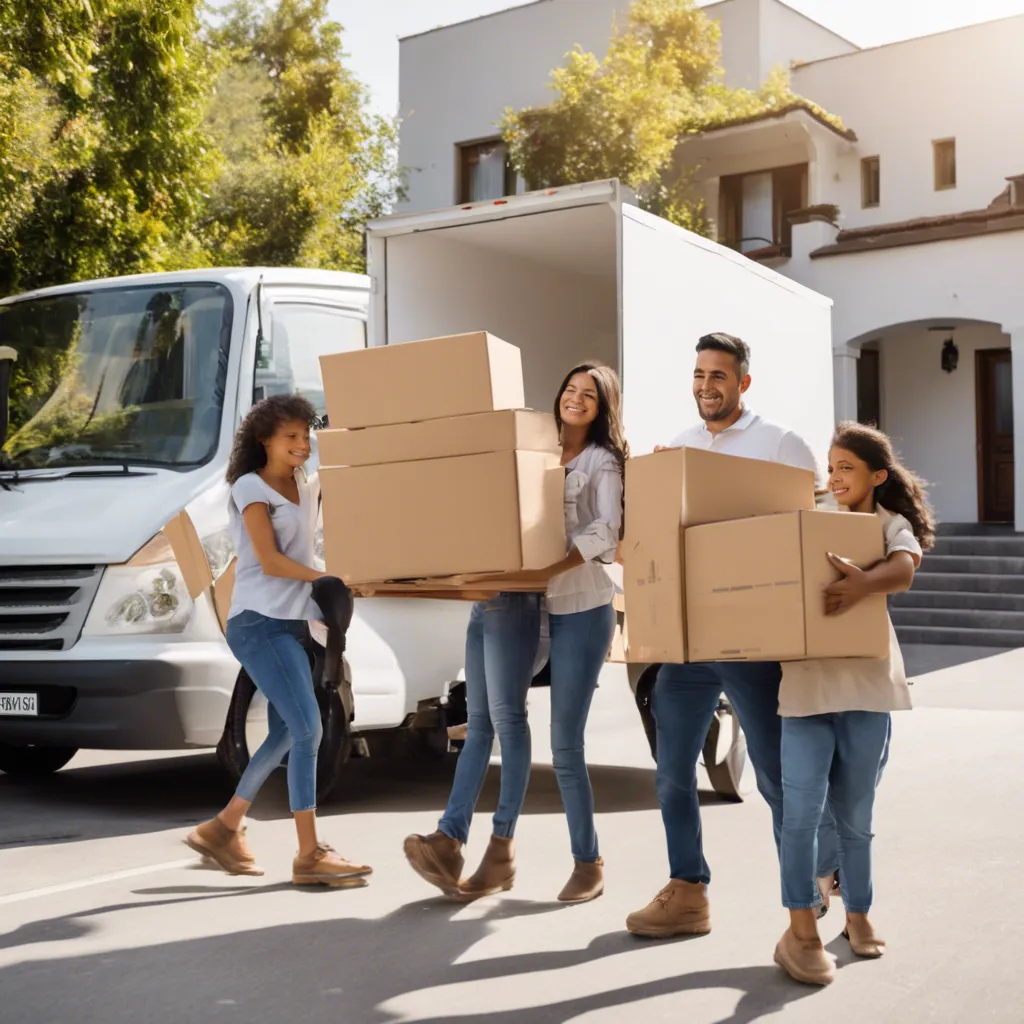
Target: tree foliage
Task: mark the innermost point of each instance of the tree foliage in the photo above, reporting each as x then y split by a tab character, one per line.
623	116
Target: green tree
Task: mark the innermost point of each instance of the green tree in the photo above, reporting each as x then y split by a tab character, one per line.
623	117
306	163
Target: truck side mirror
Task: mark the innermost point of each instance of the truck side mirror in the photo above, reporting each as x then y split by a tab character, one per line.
8	357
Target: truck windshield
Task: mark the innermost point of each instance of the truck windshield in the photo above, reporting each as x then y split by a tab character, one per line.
117	375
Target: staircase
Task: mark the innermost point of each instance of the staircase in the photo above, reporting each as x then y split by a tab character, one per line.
969	590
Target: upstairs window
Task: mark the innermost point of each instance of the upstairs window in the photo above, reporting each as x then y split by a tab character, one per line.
754	208
870	182
944	151
485	172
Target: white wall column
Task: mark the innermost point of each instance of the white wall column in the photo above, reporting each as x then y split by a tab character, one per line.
844	364
1017	354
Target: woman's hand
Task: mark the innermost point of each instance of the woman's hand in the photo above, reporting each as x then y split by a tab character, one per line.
842	595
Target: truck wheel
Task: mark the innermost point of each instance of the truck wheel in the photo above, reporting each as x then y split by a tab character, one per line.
246	727
30	762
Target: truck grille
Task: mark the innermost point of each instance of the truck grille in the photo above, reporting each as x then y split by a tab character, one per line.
43	608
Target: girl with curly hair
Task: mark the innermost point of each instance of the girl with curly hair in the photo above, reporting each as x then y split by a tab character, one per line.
836	716
501	645
272	521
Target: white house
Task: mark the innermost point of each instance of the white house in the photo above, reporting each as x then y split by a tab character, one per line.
926	266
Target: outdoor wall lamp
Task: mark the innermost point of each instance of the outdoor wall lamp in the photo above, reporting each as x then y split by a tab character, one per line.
950	356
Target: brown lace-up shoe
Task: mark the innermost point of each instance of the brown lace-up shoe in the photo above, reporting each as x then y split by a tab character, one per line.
229	849
497	871
681	908
805	960
585	883
437	859
326	867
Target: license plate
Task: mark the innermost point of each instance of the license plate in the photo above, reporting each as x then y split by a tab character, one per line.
26	704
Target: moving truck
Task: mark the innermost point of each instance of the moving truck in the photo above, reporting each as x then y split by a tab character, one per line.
165	366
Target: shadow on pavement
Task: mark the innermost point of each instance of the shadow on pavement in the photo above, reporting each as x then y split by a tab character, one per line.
346	970
131	798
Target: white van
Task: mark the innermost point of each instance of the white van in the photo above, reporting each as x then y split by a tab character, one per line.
147	378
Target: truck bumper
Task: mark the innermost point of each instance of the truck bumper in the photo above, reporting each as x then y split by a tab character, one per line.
174	698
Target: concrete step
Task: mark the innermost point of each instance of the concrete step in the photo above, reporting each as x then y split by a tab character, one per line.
978	564
975	530
1005	638
958	618
963	582
1001	547
915	598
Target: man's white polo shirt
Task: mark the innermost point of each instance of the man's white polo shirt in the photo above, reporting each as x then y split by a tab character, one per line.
752	437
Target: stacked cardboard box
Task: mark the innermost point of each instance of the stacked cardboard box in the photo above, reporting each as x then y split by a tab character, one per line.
726	559
431	468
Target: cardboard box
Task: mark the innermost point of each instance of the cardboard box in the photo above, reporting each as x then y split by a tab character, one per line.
499	512
195	567
755	588
422	380
667	492
514	430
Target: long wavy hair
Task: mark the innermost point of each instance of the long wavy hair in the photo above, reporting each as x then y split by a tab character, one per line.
606	430
902	491
248	455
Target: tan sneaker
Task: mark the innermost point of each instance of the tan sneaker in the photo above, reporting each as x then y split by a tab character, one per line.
229	849
681	908
437	859
805	960
326	867
585	883
497	871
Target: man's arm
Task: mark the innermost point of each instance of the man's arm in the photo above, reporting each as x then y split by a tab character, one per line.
795	451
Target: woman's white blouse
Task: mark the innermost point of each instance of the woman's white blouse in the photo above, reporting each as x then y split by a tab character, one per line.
593	520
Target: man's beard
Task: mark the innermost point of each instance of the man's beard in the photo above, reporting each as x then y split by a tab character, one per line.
723	412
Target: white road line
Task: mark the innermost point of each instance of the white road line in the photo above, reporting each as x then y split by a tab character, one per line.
84	883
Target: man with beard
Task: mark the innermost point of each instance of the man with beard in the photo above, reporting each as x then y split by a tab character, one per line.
685	696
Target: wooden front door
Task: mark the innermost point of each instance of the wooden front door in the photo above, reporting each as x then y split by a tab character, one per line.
995	435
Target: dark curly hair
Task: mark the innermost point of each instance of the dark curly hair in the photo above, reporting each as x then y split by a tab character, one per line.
248	454
902	492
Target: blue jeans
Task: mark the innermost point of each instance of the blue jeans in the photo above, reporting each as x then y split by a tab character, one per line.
501	644
835	758
828	839
271	652
683	704
579	646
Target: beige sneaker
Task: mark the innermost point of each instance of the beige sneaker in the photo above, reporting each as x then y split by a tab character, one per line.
326	867
805	960
437	859
229	849
681	908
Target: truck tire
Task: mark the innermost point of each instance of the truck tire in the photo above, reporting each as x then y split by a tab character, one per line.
33	762
335	747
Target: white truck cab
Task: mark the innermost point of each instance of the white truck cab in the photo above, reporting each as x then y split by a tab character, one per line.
141	383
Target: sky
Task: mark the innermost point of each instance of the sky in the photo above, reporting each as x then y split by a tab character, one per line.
373	27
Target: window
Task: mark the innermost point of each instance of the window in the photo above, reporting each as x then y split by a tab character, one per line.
870	182
945	163
300	333
754	208
485	172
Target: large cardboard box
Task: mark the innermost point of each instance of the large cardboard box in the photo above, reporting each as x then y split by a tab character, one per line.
519	429
755	588
667	492
195	567
422	380
498	512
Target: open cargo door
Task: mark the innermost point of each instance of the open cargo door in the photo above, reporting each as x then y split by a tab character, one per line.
676	287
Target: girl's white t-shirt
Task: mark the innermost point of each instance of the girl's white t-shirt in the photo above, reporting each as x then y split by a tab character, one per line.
828	685
294	531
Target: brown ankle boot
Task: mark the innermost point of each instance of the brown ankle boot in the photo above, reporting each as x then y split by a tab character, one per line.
497	871
585	883
805	960
437	859
681	908
229	849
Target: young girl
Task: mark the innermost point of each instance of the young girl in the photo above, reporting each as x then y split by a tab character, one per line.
272	520
836	724
500	649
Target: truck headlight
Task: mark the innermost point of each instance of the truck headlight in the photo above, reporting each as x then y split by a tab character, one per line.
146	595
